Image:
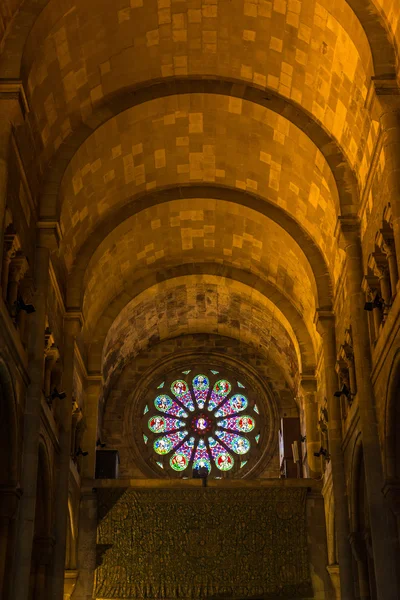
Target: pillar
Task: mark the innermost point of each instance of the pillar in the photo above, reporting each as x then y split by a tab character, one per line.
12	107
309	387
42	559
87	535
72	327
326	327
17	271
9	500
26	521
370	286
359	550
383	530
91	412
385	240
389	107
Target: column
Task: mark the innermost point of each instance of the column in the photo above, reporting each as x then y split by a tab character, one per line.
9	499
383	530
326	328
72	327
12	106
370	285
26	520
378	263
385	239
17	271
309	387
91	434
389	105
86	546
359	550
10	247
42	557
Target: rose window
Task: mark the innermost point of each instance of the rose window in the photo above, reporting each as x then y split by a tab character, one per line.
201	420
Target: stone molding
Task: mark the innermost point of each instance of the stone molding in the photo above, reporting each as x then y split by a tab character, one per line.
13	89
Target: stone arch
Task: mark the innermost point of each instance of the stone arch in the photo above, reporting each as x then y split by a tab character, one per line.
277	297
381	38
245	198
373	19
345	178
392	421
197	304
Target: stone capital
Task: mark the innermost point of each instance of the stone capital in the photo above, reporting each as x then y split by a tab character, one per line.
13	99
391	491
18	267
358	546
370	284
377	262
9	499
52	353
383	95
385	240
48	235
334	574
70	579
346	353
347	231
324	321
11	244
308	384
73	322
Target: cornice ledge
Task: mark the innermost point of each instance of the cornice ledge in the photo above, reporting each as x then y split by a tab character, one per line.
381	87
49	234
74	315
347	228
13	89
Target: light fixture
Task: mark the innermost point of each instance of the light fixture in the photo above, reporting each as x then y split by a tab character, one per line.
323	452
80	452
344	391
20	305
377	302
55	394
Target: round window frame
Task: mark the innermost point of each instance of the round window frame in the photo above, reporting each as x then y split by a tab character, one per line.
144	456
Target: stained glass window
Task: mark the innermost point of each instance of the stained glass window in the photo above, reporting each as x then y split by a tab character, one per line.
201	421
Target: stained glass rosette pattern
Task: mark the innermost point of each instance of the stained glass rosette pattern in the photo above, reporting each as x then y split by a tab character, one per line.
200	423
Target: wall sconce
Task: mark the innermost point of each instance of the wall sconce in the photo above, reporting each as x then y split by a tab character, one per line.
80	452
344	391
377	302
20	305
323	452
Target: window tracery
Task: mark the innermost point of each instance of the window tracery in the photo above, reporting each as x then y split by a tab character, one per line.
201	420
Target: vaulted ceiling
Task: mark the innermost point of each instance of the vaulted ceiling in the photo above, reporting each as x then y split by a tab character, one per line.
197	155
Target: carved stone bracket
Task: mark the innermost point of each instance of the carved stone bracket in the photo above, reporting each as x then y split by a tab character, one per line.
13	89
9	499
70	579
358	546
391	491
334	574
